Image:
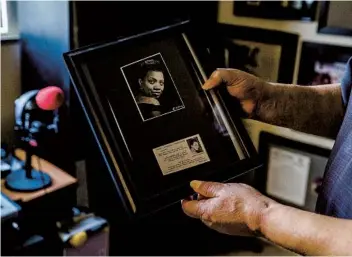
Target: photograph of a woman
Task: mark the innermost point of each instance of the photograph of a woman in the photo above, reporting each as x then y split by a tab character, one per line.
194	145
152	87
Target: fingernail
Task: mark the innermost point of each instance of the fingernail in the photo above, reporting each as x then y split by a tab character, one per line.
195	184
205	86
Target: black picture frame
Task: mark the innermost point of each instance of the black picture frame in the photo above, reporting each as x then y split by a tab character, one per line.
324	27
96	70
276	10
322	63
284	44
319	156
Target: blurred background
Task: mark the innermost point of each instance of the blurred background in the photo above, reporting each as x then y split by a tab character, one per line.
293	42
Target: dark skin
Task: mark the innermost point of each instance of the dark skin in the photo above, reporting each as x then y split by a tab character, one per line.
316	110
238	209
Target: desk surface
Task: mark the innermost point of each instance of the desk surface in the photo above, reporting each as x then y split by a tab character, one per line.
60	179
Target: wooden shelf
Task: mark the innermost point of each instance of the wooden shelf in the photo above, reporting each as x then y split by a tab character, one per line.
60	179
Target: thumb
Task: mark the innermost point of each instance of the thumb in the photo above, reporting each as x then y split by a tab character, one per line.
207	189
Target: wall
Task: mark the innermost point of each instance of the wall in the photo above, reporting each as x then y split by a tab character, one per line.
10	86
307	32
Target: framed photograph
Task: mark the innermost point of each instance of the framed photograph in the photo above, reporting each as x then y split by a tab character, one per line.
146	79
156	128
278	10
322	64
293	171
267	54
335	18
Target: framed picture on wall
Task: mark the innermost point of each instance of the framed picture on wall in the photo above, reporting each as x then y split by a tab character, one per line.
335	18
267	54
278	10
293	171
322	64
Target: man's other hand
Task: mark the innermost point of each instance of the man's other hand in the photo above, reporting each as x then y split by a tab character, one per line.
247	88
234	209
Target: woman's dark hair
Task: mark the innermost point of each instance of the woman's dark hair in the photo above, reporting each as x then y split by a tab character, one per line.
325	76
191	141
150	65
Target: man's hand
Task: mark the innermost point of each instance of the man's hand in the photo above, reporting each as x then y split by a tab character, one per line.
238	209
247	88
300	108
234	209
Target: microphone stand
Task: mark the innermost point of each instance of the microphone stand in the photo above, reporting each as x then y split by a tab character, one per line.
27	179
48	99
28	163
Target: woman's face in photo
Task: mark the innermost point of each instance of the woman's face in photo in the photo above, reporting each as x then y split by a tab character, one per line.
153	84
195	146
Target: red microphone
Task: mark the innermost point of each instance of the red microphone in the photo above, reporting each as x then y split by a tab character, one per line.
50	98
